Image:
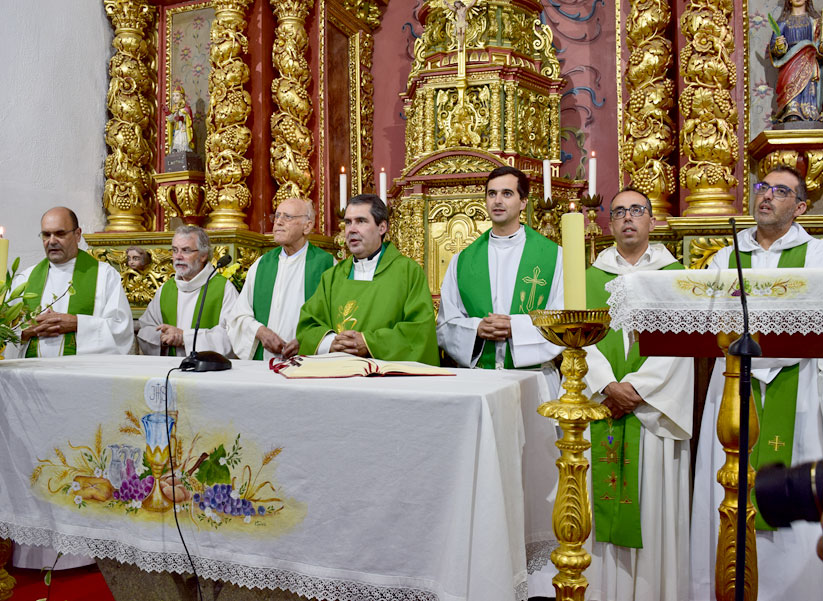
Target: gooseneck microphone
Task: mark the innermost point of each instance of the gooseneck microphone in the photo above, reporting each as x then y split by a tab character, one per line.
207	360
744	347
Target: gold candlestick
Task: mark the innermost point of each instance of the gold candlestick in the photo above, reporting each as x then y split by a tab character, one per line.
572	516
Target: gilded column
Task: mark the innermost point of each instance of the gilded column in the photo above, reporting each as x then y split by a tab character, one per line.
511	90
708	138
128	192
365	54
227	168
429	120
292	144
648	135
496	126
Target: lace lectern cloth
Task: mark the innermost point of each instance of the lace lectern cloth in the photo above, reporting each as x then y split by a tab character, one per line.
780	301
380	489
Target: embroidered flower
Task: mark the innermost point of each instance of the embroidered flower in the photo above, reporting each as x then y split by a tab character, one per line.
222	461
247	519
234	494
75	486
98	472
78	499
136	504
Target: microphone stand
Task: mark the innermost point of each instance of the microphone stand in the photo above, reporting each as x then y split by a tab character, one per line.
206	360
744	347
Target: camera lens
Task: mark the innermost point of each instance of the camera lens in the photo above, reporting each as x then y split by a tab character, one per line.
787	494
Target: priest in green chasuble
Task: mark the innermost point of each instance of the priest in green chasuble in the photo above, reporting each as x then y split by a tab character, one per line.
263	321
376	303
787	398
167	325
639	456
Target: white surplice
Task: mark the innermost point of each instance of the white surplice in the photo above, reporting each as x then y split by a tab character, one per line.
659	570
457	335
108	330
788	567
288	295
208	339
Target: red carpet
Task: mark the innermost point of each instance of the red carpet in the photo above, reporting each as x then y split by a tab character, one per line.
79	584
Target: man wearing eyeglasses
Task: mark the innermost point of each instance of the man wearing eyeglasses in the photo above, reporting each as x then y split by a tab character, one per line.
264	320
94	318
167	325
640	456
788	401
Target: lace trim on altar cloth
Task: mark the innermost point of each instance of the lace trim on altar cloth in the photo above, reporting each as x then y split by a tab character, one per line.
312	587
539	554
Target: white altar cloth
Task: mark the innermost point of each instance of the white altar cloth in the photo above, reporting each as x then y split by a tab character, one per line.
382	488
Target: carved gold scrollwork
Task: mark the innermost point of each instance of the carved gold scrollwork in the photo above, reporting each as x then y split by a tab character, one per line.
128	191
814	172
708	138
648	129
227	168
407	227
184	200
361	110
365	10
140	286
456	164
534	123
292	144
702	250
544	51
464	121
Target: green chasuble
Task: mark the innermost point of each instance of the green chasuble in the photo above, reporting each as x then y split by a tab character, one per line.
211	308
84	282
317	261
394	311
531	286
777	416
616	442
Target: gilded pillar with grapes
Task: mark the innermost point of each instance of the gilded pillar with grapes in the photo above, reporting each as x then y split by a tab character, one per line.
292	144
648	131
708	138
228	139
128	191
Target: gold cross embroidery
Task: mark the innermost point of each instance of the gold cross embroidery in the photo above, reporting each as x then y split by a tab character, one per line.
457	243
776	443
535	282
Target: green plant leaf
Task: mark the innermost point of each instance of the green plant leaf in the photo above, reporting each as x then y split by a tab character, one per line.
211	472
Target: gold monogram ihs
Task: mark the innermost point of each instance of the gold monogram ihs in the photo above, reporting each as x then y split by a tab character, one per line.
535	282
345	315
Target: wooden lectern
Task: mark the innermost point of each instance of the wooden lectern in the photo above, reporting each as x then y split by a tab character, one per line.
696	314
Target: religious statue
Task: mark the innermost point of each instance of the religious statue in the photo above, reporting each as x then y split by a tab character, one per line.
179	132
138	258
795	48
460	10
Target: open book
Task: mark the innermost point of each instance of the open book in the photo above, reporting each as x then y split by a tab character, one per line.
344	365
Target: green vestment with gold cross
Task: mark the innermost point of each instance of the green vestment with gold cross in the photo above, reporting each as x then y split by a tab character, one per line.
393	311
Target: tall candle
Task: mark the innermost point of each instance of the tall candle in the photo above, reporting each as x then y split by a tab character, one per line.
593	175
547	179
383	194
574	260
4	255
343	192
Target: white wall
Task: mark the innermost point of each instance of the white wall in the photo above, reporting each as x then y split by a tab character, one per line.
53	84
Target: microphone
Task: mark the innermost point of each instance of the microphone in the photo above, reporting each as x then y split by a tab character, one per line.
206	360
744	347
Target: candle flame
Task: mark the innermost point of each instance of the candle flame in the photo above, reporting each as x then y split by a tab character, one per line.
342	169
2	231
572	207
382	169
593	154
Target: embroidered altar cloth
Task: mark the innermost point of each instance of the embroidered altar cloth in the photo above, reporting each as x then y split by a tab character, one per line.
364	488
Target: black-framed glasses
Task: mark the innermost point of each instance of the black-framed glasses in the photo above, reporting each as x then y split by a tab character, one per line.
58	234
285	217
779	191
634	211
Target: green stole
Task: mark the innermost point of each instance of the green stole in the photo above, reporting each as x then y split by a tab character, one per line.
778	415
84	282
531	291
317	261
616	442
211	309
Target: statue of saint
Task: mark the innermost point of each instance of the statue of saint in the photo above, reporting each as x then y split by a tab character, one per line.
460	10
795	49
179	132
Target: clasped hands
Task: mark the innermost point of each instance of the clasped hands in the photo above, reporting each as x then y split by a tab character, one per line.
495	327
350	341
50	324
276	345
621	399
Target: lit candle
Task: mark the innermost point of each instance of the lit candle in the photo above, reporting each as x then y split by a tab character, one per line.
383	193
343	195
593	175
574	259
4	255
547	179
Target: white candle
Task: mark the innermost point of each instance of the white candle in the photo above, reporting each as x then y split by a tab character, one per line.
547	179
343	193
593	175
383	193
4	255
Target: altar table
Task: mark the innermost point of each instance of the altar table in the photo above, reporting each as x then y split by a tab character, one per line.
371	488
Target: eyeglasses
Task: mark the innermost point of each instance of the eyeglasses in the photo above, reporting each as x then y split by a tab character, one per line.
634	211
779	191
285	217
183	251
58	234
